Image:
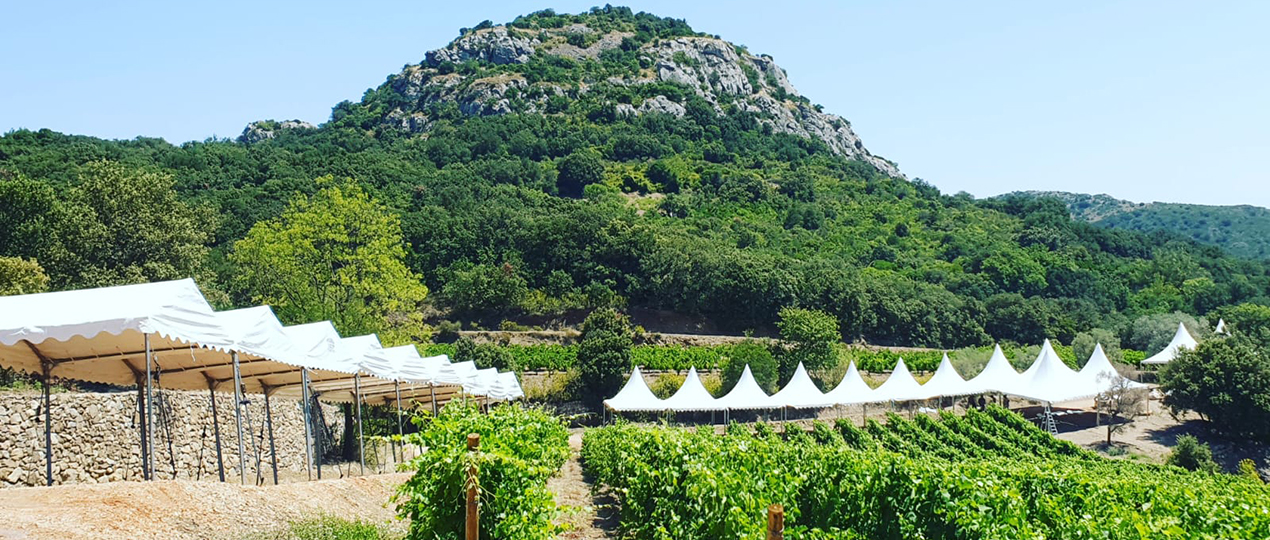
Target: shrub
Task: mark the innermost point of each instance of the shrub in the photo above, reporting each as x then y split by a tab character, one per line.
1226	381
1248	469
1192	455
604	355
521	448
667	384
331	528
762	365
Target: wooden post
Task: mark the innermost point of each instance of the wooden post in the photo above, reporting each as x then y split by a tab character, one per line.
238	419
48	421
472	527
775	522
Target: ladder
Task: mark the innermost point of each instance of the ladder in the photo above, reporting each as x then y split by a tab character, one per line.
1048	419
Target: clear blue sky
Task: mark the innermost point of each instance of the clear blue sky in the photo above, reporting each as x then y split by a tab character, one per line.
1149	100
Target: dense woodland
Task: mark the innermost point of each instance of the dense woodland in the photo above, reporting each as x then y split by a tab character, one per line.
540	213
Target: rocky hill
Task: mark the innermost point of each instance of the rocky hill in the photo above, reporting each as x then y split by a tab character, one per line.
1242	230
540	62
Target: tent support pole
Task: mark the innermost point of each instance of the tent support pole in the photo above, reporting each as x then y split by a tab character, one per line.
361	439
273	450
220	460
432	388
48	420
149	431
238	419
308	435
401	432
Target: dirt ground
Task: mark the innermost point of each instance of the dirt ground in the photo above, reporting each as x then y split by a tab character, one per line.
586	516
183	509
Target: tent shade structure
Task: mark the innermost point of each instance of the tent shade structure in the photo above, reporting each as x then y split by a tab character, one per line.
507	388
692	396
852	390
635	396
800	392
945	382
1221	327
746	394
899	386
100	335
1181	340
997	376
1099	375
1049	380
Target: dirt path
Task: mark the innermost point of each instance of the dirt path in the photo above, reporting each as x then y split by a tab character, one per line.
184	509
587	516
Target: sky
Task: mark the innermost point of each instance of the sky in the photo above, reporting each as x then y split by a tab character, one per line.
1143	100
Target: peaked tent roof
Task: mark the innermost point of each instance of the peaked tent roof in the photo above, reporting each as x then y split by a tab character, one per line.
1050	380
692	396
899	386
852	389
800	392
997	376
746	394
507	388
323	347
1182	339
945	382
1100	375
1221	327
1046	349
635	396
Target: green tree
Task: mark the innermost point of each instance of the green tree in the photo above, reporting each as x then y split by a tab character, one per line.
604	354
810	337
486	355
1084	343
1225	381
485	289
577	171
21	276
337	255
1192	455
758	357
122	226
1152	333
28	214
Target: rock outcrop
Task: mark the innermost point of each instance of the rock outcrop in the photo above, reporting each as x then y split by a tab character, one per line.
268	129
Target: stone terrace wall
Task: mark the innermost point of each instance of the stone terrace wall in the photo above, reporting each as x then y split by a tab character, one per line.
96	437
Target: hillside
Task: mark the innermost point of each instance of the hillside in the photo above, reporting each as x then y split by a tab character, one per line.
1242	230
563	162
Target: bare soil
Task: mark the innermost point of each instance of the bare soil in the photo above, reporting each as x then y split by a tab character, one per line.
185	509
586	515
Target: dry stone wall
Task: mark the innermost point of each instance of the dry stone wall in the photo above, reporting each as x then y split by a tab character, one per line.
96	437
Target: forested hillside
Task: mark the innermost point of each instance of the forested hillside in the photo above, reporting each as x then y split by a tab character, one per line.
565	162
1243	231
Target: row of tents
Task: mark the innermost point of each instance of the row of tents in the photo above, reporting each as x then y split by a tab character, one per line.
1048	380
167	335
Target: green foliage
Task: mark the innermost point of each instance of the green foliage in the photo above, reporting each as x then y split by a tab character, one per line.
1152	333
577	171
1248	469
1225	381
1192	455
810	336
1005	479
21	276
760	360
604	354
1084	343
484	289
337	256
520	449
486	355
330	528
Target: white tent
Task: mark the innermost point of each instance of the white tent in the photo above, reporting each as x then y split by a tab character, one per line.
635	396
1221	327
997	376
899	386
945	382
692	396
746	394
1100	375
482	383
1181	340
507	388
1049	380
800	392
852	389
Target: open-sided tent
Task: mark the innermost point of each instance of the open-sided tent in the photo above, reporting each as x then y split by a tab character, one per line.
1049	380
899	386
746	394
507	388
852	390
997	376
114	335
692	396
800	392
1221	327
1099	375
945	382
635	396
1182	339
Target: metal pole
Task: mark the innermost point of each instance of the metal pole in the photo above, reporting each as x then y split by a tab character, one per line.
361	439
149	464
401	432
432	388
273	450
238	419
141	422
304	408
48	423
220	460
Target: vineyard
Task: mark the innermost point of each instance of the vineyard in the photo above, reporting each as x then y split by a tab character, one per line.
679	358
987	474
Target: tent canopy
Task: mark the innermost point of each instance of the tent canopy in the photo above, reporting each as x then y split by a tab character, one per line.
800	392
746	394
852	389
945	382
692	396
997	376
635	396
1182	339
899	386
